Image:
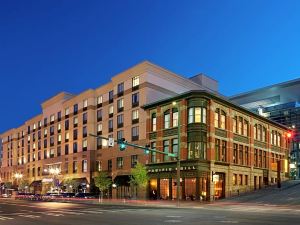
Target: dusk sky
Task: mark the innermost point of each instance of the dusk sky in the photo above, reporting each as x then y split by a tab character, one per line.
51	46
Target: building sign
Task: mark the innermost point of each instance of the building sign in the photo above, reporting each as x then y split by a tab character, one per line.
47	180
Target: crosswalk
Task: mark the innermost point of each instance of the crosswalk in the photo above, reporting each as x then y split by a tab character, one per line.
26	214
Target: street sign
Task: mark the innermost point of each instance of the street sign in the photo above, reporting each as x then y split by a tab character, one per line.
111	142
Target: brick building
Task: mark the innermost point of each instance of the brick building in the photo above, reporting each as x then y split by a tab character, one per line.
55	146
224	148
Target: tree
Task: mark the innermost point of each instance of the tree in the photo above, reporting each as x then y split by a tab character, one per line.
139	176
23	185
102	182
71	184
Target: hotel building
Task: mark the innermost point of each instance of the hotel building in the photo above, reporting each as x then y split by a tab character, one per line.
225	149
55	146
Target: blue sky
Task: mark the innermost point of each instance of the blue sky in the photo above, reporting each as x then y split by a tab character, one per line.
70	45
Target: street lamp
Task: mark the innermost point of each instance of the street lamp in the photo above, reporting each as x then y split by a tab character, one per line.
178	153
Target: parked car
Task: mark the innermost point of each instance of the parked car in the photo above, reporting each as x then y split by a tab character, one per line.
85	195
6	195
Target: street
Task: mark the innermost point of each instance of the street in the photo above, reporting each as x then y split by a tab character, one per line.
23	213
266	206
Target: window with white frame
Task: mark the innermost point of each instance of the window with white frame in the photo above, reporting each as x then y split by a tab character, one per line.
85	103
135	81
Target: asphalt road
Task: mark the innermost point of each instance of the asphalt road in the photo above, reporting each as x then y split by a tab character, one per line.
44	213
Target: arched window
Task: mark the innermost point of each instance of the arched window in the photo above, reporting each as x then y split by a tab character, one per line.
223	120
245	128
167	119
217	118
153	121
175	117
255	131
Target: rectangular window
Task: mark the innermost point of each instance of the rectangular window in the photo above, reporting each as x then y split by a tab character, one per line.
99	115
84	145
224	151
67	112
75	109
99	100
246	179
153	154
223	120
66	149
240	179
167	120
85	104
59	116
75	167
67	136
120	134
58	151
246	155
84	118
217	150
235	153
175	146
120	162
240	125
111	96
135	81
120	120
234	179
120	105
75	147
84	132
98	166
153	121
217	118
52	153
135	116
166	144
134	160
135	99
110	126
175	118
75	134
120	89
111	110
241	155
245	128
99	127
135	133
84	166
197	115
255	158
67	125
59	127
109	165
235	124
197	150
52	118
75	121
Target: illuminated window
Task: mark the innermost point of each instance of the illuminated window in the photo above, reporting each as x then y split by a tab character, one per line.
111	109
135	114
67	111
84	166
153	121
135	81
52	118
84	144
174	117
99	127
99	99
167	119
85	103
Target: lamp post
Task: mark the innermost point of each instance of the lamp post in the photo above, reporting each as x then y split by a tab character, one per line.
178	154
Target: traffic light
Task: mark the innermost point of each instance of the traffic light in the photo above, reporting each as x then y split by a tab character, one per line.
146	149
122	144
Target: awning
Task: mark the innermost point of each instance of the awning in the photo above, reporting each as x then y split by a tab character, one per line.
36	183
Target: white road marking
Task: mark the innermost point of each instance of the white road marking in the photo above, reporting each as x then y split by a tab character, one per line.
228	221
173	216
30	216
5	218
172	221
